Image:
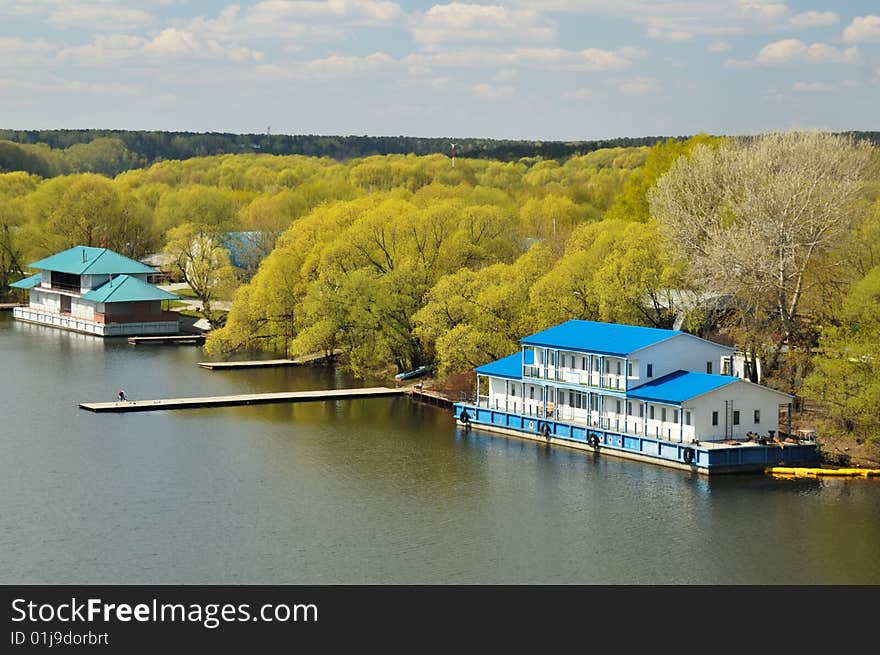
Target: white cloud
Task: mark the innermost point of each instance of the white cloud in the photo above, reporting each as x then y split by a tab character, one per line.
291	20
549	59
332	67
506	75
813	19
582	93
108	50
669	34
812	87
794	50
494	93
469	23
638	85
862	28
754	9
17	54
719	46
101	18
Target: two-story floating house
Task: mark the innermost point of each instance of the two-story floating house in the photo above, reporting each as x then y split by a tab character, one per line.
656	395
96	291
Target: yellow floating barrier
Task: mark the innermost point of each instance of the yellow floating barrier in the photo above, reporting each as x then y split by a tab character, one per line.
799	472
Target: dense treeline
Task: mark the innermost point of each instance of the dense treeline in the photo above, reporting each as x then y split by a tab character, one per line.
110	152
57	152
771	243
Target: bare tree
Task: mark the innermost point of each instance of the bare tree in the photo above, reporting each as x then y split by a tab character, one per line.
753	215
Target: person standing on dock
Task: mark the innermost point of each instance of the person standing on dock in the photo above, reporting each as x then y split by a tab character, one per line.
121	395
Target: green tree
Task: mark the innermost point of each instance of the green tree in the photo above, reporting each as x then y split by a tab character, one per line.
846	374
198	257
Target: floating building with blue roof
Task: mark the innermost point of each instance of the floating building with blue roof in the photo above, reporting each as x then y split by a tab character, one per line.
96	291
663	396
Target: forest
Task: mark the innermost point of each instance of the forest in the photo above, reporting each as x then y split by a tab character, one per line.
57	152
771	243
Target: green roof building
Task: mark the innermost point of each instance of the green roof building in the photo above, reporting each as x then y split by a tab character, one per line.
96	291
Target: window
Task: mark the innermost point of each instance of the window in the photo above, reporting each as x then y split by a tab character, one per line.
629	369
757	416
618	368
708	367
583	363
650	372
715	418
596	364
675	416
607	366
687	418
629	408
663	414
562	361
617	411
531	393
641	410
651	410
552	358
571	398
513	389
736	417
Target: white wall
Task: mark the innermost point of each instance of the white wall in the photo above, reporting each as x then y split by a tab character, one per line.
681	352
82	308
746	398
47	301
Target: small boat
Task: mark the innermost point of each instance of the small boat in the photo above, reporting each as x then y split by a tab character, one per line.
415	373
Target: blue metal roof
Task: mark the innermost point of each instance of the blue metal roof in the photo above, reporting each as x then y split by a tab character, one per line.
28	282
506	367
85	260
605	338
680	386
125	288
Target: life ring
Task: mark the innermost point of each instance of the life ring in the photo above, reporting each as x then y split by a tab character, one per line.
688	455
545	429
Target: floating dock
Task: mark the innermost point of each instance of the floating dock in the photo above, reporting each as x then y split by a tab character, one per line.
263	363
802	472
428	396
244	399
180	339
708	458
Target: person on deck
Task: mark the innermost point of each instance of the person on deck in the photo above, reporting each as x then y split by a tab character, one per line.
121	394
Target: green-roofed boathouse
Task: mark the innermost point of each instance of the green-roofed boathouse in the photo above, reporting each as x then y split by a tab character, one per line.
96	291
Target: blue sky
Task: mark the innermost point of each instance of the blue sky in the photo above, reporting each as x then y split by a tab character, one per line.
553	70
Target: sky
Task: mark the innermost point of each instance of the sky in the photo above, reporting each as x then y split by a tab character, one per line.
508	69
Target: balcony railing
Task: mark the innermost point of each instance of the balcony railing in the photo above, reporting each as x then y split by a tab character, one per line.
60	286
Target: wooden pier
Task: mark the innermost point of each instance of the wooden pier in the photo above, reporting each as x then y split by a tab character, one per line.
427	395
263	363
179	339
245	399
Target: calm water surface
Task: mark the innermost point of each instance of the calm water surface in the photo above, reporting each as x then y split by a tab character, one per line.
363	491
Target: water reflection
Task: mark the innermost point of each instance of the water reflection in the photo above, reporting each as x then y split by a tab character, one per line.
368	490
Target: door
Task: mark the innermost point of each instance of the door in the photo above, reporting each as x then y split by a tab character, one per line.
65	304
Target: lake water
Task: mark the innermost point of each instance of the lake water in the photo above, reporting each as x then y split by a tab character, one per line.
363	491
